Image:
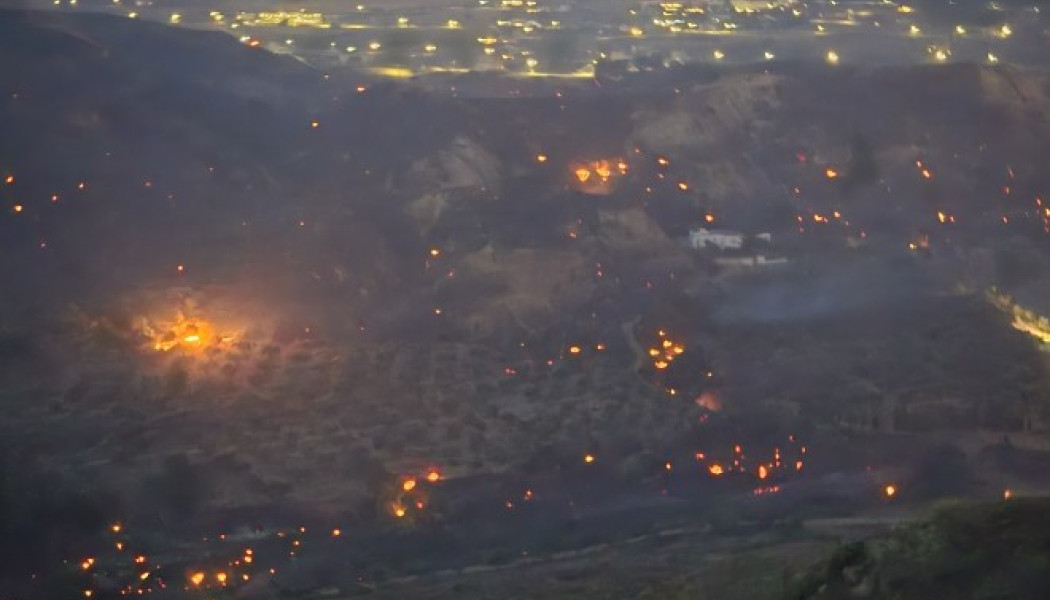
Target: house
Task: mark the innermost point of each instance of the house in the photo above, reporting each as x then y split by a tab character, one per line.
719	238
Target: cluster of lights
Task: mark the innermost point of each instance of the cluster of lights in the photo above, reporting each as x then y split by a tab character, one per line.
665	351
598	170
410	495
762	471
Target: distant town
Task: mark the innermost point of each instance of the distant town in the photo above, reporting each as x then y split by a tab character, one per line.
575	39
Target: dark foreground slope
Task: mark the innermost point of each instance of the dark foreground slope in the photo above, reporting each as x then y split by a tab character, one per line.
968	552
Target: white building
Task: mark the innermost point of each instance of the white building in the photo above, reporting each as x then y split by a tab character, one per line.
719	238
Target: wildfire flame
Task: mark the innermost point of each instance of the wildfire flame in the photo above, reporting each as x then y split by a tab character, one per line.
595	176
185	333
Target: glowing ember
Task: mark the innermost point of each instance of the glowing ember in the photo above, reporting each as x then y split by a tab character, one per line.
763	472
337	532
433	476
541	158
582	174
409	485
709	400
831	173
889	491
221	578
588	458
715	469
399	511
197	578
1007	494
574	349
